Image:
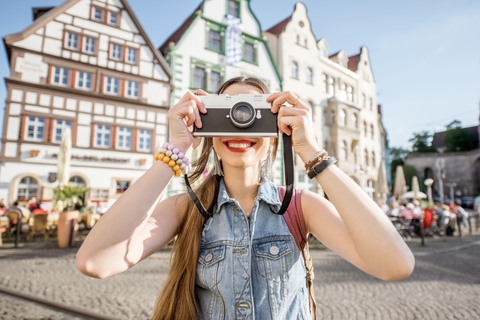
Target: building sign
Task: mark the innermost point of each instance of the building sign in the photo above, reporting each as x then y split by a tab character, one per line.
95	158
32	68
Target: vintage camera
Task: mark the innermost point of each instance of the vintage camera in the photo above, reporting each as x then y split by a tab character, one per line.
239	115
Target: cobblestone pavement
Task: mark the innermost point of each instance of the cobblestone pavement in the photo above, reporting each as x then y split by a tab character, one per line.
444	285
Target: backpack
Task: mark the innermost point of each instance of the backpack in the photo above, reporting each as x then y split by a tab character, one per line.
296	225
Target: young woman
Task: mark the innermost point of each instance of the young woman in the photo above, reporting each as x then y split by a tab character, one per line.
242	262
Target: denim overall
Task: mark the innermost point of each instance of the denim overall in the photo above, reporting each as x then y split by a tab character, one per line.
250	268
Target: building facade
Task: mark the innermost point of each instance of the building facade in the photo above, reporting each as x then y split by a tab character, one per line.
89	66
340	90
220	40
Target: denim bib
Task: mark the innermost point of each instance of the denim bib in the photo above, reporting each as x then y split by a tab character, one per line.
250	269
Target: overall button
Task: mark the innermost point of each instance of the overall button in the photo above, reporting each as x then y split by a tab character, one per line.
209	257
274	249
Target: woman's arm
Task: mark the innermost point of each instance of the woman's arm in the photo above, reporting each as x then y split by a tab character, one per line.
135	226
351	224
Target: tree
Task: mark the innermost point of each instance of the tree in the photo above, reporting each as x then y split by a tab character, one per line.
457	138
422	142
409	171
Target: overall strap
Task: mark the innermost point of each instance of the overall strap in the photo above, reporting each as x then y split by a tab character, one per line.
296	225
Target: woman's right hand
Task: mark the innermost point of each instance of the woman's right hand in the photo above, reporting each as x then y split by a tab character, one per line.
182	117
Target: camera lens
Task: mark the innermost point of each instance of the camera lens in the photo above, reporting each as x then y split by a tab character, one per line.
242	115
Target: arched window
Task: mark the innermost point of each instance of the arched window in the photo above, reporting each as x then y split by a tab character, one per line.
343	117
372	132
365	128
77	181
27	188
331	87
309	75
371	104
343	150
325	82
366	158
343	91
374	160
364	100
350	93
355	120
294	70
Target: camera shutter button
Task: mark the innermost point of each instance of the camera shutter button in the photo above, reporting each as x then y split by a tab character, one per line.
259	114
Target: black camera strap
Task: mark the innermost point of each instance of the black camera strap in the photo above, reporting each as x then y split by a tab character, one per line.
289	180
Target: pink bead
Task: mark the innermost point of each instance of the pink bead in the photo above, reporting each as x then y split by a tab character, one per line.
175	150
170	146
181	155
165	145
184	159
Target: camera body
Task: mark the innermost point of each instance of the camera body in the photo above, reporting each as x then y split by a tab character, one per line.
238	115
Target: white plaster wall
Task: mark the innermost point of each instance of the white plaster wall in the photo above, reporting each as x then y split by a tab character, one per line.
54	29
33	42
157	93
83	135
53	47
249	23
81	9
13	128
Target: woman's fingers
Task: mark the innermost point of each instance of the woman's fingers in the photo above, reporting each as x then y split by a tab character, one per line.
280	98
193	95
289	118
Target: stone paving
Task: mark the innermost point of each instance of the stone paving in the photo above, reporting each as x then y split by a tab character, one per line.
444	285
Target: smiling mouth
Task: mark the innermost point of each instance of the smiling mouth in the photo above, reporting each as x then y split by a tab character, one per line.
239	145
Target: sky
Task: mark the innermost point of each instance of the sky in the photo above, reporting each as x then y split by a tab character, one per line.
425	54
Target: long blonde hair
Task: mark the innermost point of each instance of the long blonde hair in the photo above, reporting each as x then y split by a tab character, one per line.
177	299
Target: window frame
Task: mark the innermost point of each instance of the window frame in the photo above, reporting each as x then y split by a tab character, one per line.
247	40
112	51
294	70
204	77
123	136
27	186
67	40
107	82
84	45
211	88
60	76
128	88
78	78
38	127
61	126
309	75
92	15
143	136
239	16
109	17
101	128
127	55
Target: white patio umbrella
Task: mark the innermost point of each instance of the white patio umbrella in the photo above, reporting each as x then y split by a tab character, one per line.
381	187
400	186
410	195
415	187
64	155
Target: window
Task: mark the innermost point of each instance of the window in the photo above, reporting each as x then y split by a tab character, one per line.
373	159
113	19
122	186
116	51
84	80
370	101
99	194
343	117
89	45
305	43
343	91
132	89
350	93
233	8
366	157
97	14
325	82
27	188
124	138
294	73
199	78
215	81
332	117
298	39
77	181
365	128
331	87
59	127
61	76
364	100
72	41
102	136
343	150
35	129
112	86
372	132
355	120
248	52
214	40
144	140
131	56
309	75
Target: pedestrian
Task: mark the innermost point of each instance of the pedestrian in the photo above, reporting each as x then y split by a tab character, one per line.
3	206
241	261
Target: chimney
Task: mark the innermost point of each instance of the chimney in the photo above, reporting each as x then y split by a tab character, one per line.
38	12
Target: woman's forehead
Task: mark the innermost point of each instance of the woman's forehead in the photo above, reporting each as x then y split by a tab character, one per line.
237	88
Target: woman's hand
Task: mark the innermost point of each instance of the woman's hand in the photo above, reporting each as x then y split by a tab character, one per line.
295	121
182	117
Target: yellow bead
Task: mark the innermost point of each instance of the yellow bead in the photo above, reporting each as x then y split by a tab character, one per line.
176	168
172	163
160	156
166	159
178	174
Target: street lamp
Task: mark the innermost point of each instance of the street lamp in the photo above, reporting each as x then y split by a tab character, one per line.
440	164
429	182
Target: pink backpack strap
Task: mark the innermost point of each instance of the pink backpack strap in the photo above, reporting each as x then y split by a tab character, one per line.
296	225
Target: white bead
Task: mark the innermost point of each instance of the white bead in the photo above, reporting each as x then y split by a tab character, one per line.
179	162
163	150
169	153
174	157
183	166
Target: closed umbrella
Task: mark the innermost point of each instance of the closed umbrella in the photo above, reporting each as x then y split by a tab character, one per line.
381	187
400	186
63	174
415	187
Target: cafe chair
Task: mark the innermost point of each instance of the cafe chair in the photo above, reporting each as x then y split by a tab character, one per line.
40	225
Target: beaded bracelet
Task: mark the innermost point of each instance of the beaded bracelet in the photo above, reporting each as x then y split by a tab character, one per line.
175	159
319	157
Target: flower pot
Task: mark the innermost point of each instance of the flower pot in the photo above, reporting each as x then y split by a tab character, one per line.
65	228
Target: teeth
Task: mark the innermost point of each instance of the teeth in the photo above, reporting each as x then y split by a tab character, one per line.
239	145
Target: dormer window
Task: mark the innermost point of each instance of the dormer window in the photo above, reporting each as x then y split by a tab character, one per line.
234	8
113	19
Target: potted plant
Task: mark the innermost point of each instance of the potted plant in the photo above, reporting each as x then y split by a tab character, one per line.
67	199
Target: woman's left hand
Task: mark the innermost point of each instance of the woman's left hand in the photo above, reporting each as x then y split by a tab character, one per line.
295	121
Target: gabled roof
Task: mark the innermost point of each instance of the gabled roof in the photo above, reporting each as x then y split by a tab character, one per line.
334	55
279	27
438	137
353	62
177	35
54	12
